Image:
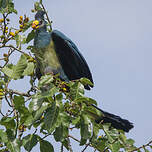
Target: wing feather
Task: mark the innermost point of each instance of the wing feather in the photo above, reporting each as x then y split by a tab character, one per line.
71	60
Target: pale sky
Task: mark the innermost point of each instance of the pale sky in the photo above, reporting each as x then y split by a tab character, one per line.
115	37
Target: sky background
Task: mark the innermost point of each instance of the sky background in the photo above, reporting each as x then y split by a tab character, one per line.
115	37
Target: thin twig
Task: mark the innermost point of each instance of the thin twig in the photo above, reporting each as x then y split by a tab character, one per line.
69	145
79	141
18	93
47	16
7	101
2	113
111	144
47	135
61	147
11	46
87	144
142	147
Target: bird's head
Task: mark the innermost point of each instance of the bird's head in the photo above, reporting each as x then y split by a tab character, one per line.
39	20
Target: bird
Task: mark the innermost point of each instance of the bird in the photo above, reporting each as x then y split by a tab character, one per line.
55	53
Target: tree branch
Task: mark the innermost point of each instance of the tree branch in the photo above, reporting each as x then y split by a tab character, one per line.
142	147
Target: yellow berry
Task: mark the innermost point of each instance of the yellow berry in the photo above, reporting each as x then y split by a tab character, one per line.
20	21
1	20
24	24
5	55
31	60
6	31
21	17
1	93
17	31
26	19
100	137
1	90
6	28
21	26
12	34
32	10
6	59
64	89
35	24
42	117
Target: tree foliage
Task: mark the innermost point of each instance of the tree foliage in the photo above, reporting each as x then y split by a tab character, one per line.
50	108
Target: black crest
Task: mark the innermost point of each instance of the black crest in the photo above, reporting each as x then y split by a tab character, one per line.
39	14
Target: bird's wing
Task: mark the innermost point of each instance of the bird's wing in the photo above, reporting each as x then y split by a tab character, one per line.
71	60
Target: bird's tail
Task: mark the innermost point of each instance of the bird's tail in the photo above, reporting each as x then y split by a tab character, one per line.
115	121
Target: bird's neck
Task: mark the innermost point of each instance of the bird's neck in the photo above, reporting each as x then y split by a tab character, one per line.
42	38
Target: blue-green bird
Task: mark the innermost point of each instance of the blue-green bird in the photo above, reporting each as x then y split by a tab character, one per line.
57	54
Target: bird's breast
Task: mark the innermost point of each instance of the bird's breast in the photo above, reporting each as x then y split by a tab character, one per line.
50	56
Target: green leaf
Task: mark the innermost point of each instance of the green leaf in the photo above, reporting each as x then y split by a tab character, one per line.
30	36
37	6
84	130
20	39
18	101
7	6
19	67
46	79
30	141
76	90
3	136
29	69
101	144
58	134
61	133
36	103
76	120
8	70
10	134
51	116
39	112
14	146
29	120
8	122
86	100
115	147
130	141
45	146
86	81
145	149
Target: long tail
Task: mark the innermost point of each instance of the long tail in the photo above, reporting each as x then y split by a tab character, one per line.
116	121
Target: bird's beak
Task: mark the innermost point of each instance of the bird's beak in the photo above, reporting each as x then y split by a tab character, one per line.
35	24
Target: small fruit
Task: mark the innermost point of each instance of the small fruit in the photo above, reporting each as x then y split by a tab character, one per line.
6	59
17	31
20	22
21	17
35	24
12	34
21	26
1	20
26	19
64	89
5	55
